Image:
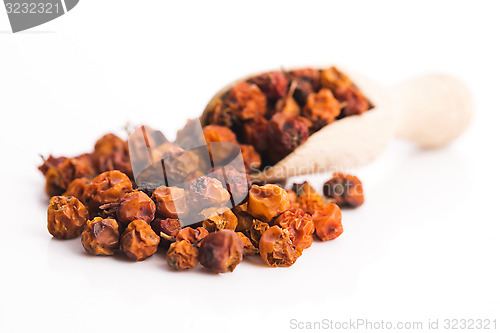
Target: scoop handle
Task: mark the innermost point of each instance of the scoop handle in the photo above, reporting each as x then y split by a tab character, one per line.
431	110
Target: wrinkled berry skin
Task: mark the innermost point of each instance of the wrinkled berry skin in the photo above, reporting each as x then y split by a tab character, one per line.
182	255
139	241
276	248
221	251
135	206
193	236
246	101
273	84
170	202
299	225
101	237
106	188
346	190
206	191
268	201
66	217
328	222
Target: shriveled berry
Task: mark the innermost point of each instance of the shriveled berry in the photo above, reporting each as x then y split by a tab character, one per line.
246	101
135	205
299	225
106	188
328	222
182	255
346	190
221	251
66	217
268	201
170	202
276	248
321	108
139	241
101	237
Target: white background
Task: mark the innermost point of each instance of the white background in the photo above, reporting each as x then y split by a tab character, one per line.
425	244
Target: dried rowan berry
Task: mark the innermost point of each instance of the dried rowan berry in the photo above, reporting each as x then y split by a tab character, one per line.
345	190
66	217
191	235
248	247
139	241
106	188
257	230
356	102
182	255
321	108
286	132
310	75
251	158
299	225
268	201
111	153
225	220
273	84
135	205
276	248
245	220
167	229
255	133
101	236
53	182
246	101
328	222
76	188
206	191
73	168
220	152
221	251
170	202
307	198
333	79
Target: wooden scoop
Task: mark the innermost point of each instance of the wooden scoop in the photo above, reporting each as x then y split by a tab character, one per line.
430	110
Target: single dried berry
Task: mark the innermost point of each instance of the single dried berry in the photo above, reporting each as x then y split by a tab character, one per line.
251	158
248	247
106	188
345	190
182	255
135	206
221	251
333	79
170	202
224	220
299	225
257	230
191	235
354	100
307	198
139	241
268	201
111	153
66	217
276	248
246	101
273	84
101	237
288	105
321	108
328	222
255	133
77	188
286	132
206	191
218	139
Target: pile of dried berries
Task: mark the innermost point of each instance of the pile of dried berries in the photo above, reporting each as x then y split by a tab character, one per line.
284	108
206	211
110	212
